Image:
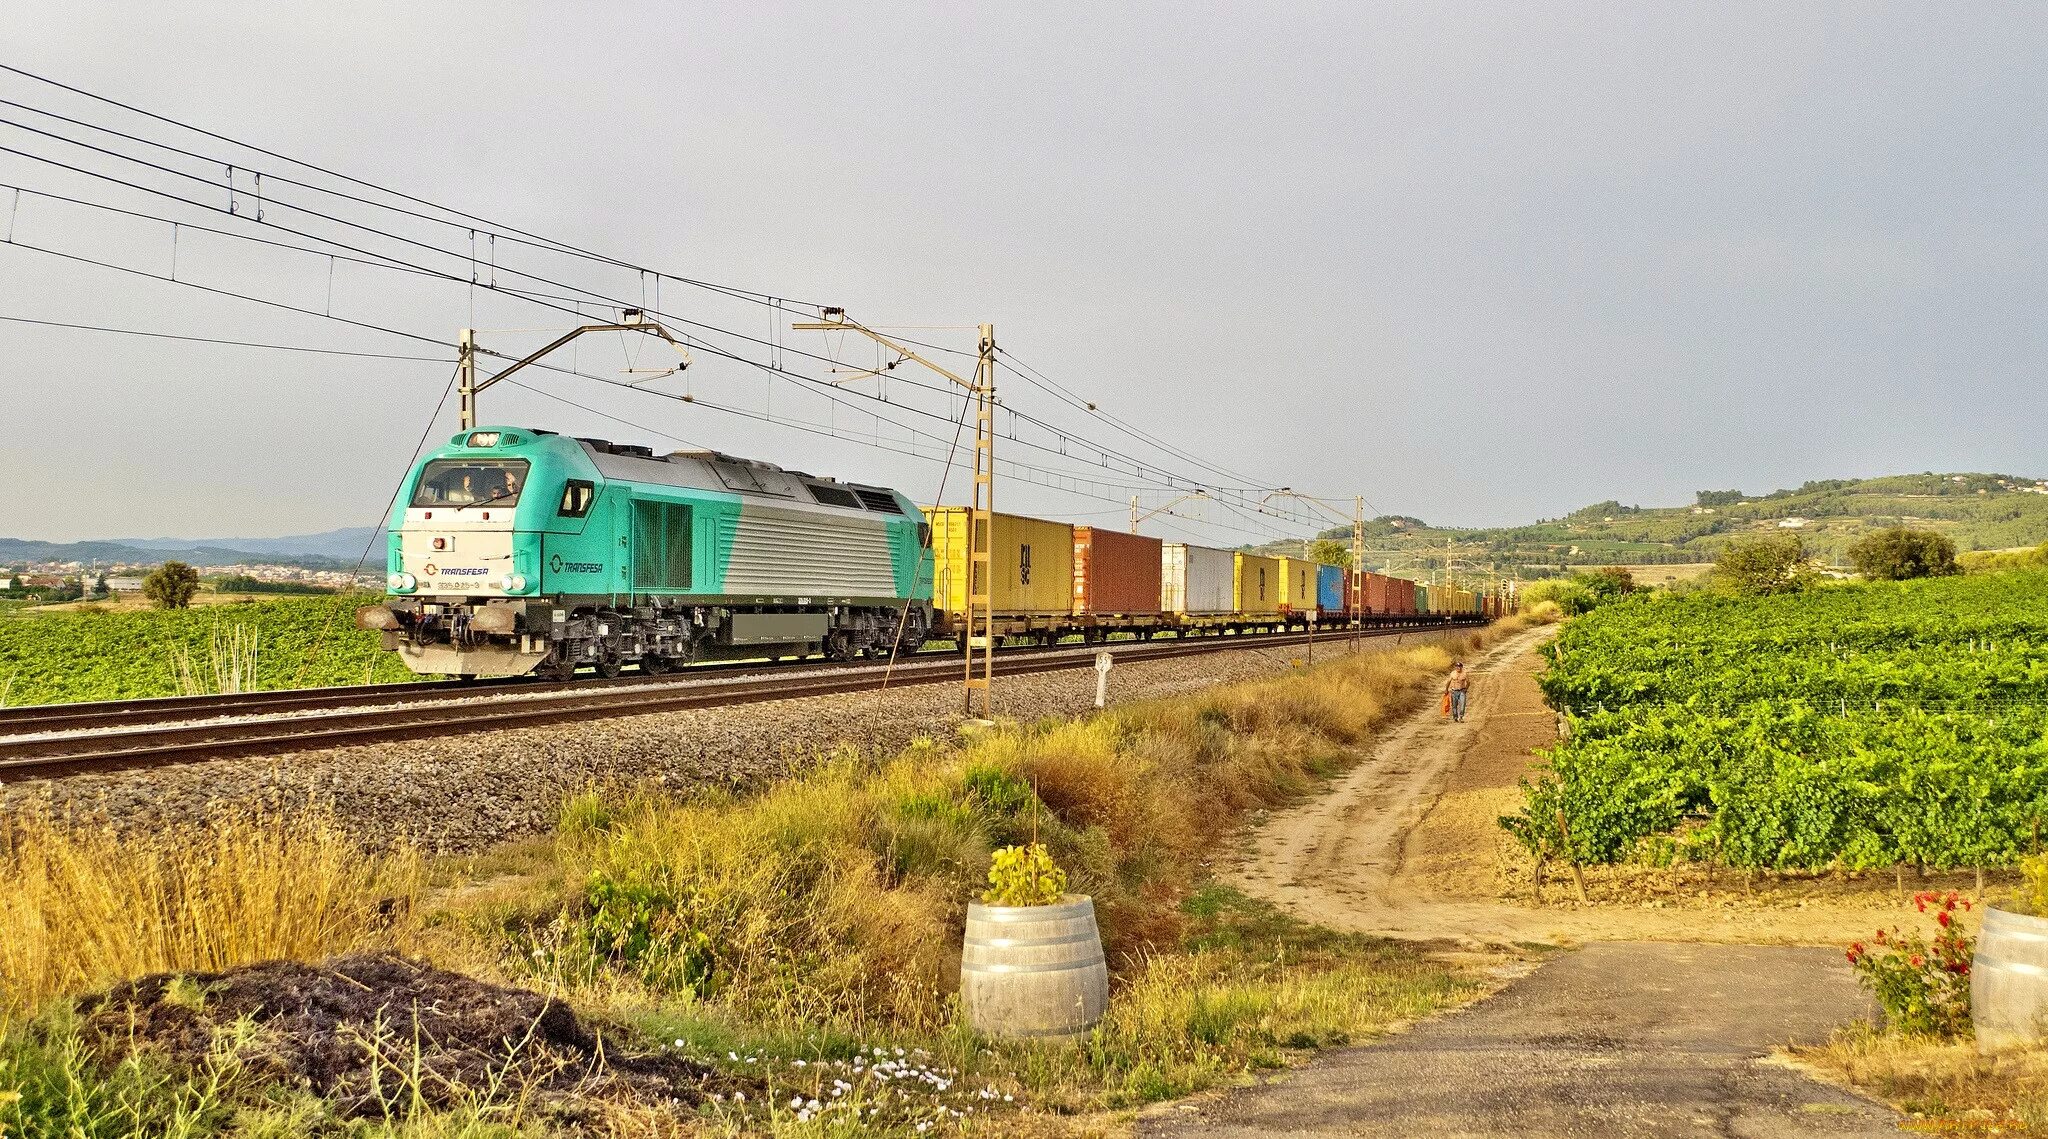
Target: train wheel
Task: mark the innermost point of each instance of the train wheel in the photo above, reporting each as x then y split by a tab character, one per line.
609	666
840	647
557	666
654	665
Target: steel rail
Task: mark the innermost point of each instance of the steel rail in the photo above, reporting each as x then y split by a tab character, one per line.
99	714
525	706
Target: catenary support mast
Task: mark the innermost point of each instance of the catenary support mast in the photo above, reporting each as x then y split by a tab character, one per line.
978	623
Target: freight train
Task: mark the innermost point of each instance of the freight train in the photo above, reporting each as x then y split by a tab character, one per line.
515	550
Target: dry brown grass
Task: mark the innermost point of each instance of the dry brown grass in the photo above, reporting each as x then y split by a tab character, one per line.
1948	1082
835	897
81	906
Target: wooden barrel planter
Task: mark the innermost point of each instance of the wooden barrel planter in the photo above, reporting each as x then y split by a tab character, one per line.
2009	980
1034	972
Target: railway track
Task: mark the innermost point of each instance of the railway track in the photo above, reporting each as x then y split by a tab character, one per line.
144	733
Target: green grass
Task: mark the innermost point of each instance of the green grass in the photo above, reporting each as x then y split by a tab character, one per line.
77	655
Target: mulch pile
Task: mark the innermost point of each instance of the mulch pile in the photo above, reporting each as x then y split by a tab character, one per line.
373	1034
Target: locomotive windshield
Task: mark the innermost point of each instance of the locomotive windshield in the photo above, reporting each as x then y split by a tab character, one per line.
470	482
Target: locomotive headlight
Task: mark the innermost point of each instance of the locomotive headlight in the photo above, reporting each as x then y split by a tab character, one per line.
516	583
403	583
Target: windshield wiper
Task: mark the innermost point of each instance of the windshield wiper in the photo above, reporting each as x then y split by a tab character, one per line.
487	501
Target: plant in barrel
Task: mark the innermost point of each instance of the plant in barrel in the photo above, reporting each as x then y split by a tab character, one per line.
1032	965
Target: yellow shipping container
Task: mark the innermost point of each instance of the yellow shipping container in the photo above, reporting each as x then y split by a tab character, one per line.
1033	561
1297	585
1258	584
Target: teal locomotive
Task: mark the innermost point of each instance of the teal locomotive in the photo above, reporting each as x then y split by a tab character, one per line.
516	550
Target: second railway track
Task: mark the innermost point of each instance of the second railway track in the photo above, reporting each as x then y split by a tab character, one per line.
149	733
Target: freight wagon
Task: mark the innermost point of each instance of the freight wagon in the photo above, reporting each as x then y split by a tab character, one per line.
1257	585
1118	581
1031	566
1333	597
1196	581
1297	587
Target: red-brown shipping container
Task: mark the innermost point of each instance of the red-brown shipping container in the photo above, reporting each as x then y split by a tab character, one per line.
1376	598
1401	595
1115	574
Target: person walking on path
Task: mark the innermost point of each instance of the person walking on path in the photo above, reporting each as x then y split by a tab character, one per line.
1455	688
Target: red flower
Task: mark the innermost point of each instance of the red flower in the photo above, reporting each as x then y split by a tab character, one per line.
1920	902
1943	918
1916	961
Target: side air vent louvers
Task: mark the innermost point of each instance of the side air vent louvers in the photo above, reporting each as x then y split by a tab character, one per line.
833	495
877	500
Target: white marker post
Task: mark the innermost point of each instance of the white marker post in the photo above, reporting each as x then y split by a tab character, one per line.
1102	663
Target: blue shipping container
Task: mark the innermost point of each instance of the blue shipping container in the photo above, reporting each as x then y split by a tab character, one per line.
1330	589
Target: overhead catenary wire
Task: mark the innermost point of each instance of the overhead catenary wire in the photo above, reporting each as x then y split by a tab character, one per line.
464	218
1105	452
1138	467
1143	469
234	343
1016	469
695	342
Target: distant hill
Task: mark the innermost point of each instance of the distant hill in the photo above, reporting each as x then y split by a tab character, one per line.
334	549
1976	511
347	542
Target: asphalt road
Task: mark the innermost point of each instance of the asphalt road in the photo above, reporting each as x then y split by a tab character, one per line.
1622	1039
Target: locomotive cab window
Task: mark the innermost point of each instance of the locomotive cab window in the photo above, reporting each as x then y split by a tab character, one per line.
576	498
470	482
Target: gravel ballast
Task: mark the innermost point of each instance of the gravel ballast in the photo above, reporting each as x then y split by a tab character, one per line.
463	793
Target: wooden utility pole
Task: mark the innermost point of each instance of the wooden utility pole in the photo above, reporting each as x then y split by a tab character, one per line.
977	629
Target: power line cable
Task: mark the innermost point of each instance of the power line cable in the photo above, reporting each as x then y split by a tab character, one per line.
234	343
1106	453
697	342
1138	467
504	230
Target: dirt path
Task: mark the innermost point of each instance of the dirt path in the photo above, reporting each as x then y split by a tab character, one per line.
1644	1040
1407	844
1656	1037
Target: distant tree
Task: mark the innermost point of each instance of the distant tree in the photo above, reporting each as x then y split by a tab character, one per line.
1329	552
14	582
171	585
1719	497
1607	583
1898	553
99	586
1757	566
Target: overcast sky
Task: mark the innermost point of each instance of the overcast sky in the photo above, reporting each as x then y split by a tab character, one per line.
1480	266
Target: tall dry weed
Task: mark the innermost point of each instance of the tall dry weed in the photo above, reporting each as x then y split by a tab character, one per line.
835	898
81	907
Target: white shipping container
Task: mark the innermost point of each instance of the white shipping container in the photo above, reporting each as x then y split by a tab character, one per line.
1196	579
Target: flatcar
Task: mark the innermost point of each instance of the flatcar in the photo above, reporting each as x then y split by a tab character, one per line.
516	550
